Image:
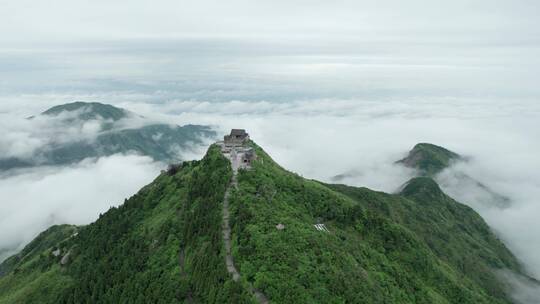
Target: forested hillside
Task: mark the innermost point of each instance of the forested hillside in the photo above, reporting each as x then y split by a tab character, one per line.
114	130
296	240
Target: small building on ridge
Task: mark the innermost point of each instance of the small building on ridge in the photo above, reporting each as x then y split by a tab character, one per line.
237	137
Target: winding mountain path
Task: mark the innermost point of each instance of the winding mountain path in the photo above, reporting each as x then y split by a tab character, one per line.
235	159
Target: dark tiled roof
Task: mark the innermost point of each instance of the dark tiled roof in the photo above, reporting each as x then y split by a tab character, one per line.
238	132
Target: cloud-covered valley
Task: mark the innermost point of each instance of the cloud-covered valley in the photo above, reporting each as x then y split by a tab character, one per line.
37	198
322	138
325	90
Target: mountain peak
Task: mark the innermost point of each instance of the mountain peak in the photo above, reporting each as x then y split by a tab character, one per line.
93	130
429	159
89	110
210	231
423	188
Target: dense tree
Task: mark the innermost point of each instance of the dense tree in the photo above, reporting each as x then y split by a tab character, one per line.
164	245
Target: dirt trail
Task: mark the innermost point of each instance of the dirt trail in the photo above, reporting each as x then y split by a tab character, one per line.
235	159
226	228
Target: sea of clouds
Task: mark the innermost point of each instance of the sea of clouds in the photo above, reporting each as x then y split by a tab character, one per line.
323	138
37	198
326	90
315	137
320	139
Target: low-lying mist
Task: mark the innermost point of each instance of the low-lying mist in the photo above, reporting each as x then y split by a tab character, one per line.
323	138
325	89
35	199
320	139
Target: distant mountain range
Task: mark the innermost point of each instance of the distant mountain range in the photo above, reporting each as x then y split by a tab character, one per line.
206	233
89	110
113	134
429	160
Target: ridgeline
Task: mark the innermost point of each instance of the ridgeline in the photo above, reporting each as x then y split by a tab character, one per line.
291	239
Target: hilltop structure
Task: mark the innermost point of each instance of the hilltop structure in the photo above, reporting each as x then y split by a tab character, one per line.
234	146
248	156
235	234
160	141
237	137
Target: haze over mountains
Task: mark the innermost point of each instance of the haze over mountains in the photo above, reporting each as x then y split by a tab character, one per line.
431	161
72	161
80	130
325	88
297	142
164	244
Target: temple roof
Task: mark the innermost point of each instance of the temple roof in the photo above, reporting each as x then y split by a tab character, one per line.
238	132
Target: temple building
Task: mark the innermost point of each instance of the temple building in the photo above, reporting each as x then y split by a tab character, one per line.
237	137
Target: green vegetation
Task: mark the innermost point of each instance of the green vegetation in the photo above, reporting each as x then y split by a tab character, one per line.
419	247
159	141
429	159
162	142
164	245
28	276
88	111
132	254
455	233
46	240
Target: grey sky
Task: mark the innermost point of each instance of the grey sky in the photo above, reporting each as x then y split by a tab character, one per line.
371	77
64	20
270	50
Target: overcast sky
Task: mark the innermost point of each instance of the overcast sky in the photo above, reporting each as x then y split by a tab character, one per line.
370	78
270	50
64	20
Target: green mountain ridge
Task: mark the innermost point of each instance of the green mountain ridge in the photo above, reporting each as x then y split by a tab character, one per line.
429	159
44	242
161	142
89	111
164	244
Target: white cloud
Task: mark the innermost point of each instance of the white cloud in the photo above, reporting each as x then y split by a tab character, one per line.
26	138
510	172
523	290
62	19
43	196
325	87
322	138
319	138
